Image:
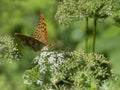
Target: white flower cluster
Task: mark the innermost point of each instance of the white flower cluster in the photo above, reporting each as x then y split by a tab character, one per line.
27	82
8	50
49	59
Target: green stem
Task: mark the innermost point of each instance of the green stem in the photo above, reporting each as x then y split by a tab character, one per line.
86	38
94	34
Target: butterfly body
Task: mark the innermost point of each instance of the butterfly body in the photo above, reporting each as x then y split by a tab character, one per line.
40	38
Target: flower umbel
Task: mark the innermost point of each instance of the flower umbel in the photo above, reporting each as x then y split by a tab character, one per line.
76	69
8	50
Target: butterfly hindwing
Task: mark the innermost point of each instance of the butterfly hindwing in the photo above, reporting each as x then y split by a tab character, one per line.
29	41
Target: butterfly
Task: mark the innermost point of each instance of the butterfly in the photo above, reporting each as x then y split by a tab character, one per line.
40	38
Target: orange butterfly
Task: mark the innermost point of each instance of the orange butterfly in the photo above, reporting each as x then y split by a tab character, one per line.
40	38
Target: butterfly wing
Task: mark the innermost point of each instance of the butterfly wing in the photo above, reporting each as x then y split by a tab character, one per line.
29	41
41	34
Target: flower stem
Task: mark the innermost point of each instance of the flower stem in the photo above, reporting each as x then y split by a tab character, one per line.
94	34
86	38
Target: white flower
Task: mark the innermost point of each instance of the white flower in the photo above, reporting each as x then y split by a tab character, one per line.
26	82
41	61
51	59
51	89
39	82
60	55
36	59
43	69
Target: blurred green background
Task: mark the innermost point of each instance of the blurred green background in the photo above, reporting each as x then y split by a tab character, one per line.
22	16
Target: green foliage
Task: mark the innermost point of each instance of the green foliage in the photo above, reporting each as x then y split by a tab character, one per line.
76	70
22	16
72	10
8	50
111	84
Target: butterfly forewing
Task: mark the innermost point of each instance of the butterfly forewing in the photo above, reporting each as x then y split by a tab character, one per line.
41	34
